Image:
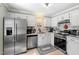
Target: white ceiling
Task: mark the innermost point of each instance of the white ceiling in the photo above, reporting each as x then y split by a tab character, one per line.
38	7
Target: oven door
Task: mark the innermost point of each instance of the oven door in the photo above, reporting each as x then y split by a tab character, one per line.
60	43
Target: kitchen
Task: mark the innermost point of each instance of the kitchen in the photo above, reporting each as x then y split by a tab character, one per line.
39	29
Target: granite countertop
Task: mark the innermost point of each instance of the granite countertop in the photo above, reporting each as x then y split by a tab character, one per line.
39	33
32	34
74	36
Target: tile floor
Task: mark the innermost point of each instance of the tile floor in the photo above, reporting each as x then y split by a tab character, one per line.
35	52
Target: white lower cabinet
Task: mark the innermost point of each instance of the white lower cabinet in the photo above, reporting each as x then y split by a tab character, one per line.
52	39
43	39
72	46
40	39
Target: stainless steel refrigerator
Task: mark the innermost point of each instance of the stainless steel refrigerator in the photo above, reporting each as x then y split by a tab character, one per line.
15	38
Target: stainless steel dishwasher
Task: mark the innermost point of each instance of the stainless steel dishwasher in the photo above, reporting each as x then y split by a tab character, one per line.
32	41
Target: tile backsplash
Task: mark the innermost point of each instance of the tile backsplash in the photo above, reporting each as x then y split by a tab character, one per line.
74	27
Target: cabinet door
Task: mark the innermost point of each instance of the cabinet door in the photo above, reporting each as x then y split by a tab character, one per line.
73	46
67	15
43	39
75	17
64	16
54	21
52	39
31	20
47	22
40	40
47	38
69	43
59	18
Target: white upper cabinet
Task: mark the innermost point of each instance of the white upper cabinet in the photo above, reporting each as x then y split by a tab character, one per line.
31	20
47	22
74	19
62	17
67	15
59	18
54	22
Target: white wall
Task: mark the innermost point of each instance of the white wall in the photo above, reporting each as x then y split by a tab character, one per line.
3	12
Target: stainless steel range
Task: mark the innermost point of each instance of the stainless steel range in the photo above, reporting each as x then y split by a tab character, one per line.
60	41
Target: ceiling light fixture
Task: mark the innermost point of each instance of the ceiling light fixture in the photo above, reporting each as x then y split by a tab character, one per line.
47	5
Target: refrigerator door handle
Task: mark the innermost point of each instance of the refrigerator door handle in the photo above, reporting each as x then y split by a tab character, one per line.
16	32
15	38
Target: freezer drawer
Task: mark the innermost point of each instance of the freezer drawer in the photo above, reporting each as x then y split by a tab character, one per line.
32	41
